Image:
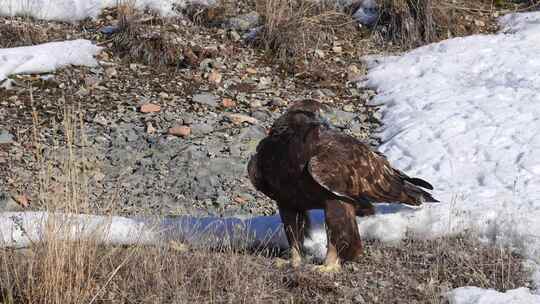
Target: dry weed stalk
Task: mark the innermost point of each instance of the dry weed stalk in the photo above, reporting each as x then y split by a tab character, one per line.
14	33
412	23
56	271
140	41
293	29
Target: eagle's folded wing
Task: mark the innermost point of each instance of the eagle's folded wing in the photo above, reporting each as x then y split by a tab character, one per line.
351	170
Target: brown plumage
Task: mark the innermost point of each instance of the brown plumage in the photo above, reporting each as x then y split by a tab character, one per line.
304	163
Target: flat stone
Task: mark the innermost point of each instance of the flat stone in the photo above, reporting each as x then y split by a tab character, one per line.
215	77
240	118
207	99
183	131
228	103
150	108
5	137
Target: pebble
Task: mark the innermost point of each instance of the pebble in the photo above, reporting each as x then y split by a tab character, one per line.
111	72
358	299
354	73
234	35
228	103
348	108
240	118
205	98
239	200
91	81
150	108
337	49
264	82
22	200
206	64
479	23
255	104
183	131
215	77
5	137
150	128
279	102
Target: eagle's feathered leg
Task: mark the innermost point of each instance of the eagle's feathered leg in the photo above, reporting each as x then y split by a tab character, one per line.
296	225
342	232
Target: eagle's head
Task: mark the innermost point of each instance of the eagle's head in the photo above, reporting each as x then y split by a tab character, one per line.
323	112
303	114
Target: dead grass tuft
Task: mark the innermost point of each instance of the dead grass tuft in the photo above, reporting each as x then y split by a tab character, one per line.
147	40
146	44
411	23
294	29
413	272
14	33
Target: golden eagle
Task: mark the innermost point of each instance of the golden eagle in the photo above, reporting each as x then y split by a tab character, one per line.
305	163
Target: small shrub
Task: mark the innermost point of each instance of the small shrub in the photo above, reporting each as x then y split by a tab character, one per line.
294	29
411	23
14	34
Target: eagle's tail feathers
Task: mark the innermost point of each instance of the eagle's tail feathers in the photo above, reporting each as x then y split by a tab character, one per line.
420	183
417	196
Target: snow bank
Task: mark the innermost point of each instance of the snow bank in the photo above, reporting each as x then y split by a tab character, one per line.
74	10
465	115
475	295
47	57
21	229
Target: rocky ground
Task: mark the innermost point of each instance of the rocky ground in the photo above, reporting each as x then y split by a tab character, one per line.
166	140
168	120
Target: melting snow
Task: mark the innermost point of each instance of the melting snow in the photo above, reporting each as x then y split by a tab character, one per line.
74	10
465	115
47	57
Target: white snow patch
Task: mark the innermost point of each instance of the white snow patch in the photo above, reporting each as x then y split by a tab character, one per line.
465	115
475	295
74	10
21	229
47	57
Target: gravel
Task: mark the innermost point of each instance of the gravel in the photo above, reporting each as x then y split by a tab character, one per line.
130	160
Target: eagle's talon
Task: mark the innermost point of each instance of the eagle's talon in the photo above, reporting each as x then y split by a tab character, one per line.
283	263
333	268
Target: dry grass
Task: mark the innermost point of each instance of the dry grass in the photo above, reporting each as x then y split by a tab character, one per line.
412	23
413	272
151	41
293	30
14	33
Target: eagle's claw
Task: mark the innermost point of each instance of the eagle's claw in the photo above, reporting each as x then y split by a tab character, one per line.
332	268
